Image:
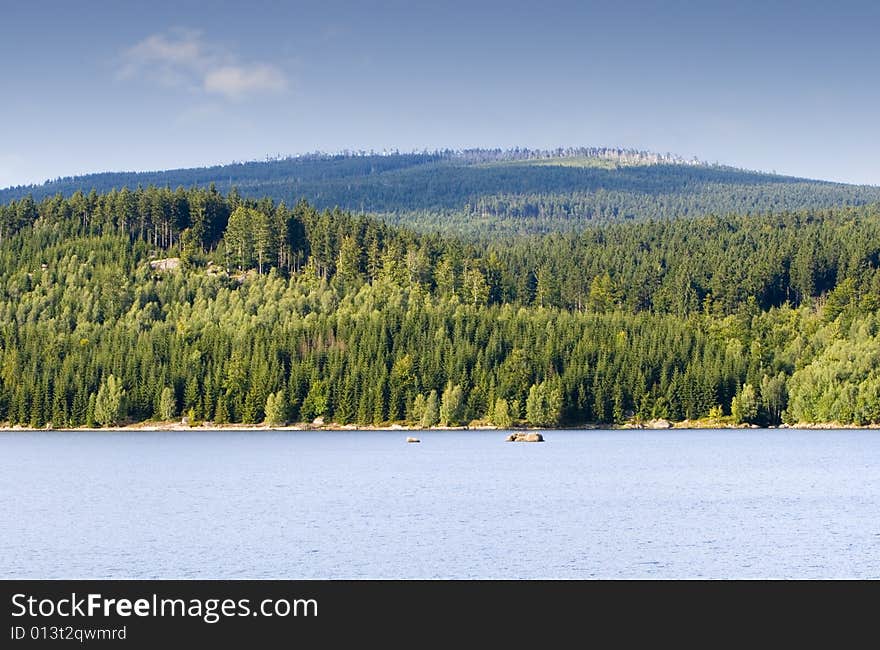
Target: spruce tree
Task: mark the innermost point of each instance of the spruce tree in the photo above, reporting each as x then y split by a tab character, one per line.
167	404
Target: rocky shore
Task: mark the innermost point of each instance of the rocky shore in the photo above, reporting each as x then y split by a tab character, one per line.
659	424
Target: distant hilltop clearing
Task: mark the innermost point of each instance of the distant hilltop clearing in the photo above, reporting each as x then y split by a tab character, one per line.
493	192
562	154
627	156
621	156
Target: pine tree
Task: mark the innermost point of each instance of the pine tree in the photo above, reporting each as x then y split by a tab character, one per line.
417	411
90	412
380	400
262	237
252	409
238	238
348	264
221	413
167	404
191	392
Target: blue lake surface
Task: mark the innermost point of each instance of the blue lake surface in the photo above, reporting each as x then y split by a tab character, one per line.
462	504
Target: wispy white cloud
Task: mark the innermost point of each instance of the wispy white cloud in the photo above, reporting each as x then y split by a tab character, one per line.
237	81
183	58
179	46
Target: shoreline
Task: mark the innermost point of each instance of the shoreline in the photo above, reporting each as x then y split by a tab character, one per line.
303	426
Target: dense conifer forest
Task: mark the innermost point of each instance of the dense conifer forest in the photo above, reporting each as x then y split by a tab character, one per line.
154	303
487	194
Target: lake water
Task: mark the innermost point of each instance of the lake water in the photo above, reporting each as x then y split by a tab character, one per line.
462	504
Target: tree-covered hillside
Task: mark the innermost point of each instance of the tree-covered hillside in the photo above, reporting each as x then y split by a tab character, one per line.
493	192
156	303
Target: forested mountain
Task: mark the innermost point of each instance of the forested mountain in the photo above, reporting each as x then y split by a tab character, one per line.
154	303
495	192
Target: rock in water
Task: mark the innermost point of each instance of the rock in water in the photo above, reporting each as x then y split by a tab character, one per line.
524	437
413	440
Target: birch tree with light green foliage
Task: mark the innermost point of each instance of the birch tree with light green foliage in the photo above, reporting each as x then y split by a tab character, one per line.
452	405
841	385
744	406
501	417
774	397
276	409
544	404
431	415
108	402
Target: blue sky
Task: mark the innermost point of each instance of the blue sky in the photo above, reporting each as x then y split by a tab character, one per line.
96	86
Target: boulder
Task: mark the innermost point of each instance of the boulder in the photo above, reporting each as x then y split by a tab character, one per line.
167	264
659	424
413	440
525	437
